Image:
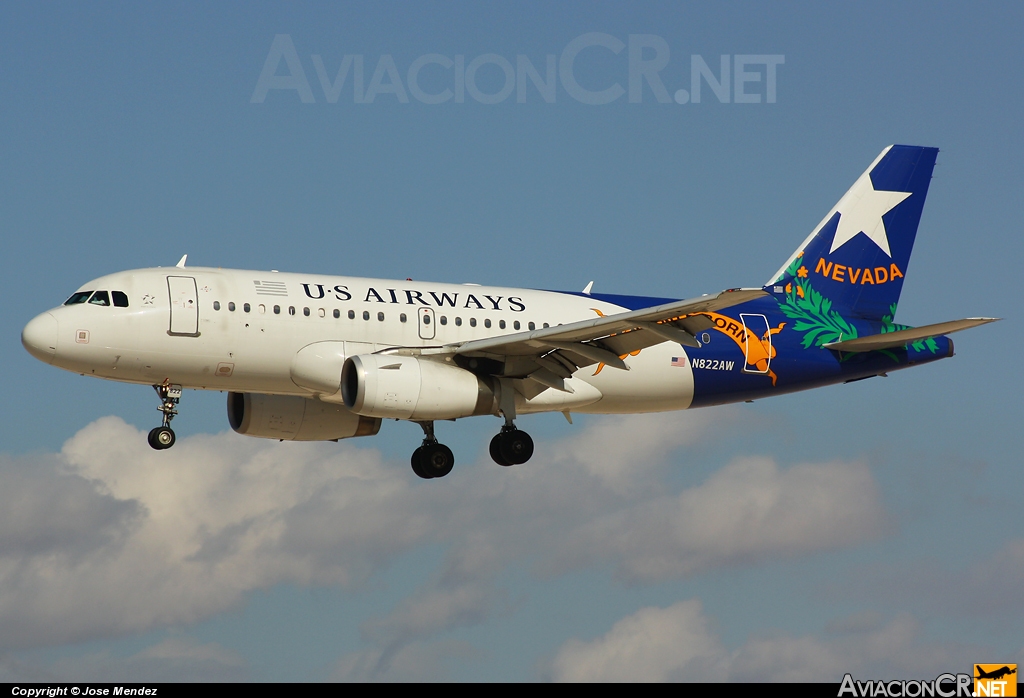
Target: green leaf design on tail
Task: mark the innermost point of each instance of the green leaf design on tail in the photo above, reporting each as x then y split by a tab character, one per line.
888	325
812	312
814	316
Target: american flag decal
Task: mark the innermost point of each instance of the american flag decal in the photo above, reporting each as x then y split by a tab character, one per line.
679	361
270	288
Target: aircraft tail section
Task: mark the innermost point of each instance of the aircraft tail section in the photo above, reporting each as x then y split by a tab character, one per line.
857	257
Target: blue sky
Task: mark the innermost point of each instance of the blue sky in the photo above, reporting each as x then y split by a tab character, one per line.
866	528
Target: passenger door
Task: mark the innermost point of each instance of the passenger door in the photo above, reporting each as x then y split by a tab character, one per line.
184	306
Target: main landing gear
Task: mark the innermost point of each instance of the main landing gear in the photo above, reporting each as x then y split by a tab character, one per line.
511	446
162	437
432	459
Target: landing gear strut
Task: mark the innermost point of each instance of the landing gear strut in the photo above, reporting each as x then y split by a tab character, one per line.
162	437
510	446
432	459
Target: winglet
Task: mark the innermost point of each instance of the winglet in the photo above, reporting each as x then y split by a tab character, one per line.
181	262
588	288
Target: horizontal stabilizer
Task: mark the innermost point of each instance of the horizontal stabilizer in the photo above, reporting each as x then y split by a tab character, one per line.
890	340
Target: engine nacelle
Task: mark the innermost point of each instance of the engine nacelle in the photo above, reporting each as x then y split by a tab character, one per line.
406	387
295	418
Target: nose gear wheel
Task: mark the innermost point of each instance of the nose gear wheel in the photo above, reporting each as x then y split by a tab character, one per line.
161	438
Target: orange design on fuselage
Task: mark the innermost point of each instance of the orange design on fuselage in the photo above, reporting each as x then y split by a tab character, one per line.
757	351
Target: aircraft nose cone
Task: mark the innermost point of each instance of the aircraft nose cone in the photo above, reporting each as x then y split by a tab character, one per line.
40	337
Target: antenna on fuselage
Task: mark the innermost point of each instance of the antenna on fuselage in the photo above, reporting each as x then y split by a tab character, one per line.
588	288
181	262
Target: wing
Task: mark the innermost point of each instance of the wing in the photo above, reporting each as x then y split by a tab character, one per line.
546	357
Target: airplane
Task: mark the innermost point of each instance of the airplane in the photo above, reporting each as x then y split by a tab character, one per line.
994	674
314	357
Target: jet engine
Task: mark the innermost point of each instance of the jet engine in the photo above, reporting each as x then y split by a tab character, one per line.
293	418
407	387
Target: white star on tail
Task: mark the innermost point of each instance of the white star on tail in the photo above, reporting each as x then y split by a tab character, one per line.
861	211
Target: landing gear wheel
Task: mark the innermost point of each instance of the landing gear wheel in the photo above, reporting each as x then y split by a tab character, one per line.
432	459
161	438
437	460
515	446
495	449
417	464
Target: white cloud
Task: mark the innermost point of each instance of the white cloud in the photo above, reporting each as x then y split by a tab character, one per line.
110	537
44	511
676	644
653	644
626	454
418	661
171	660
749	510
462	594
197	527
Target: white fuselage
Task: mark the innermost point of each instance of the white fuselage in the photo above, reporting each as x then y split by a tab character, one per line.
241	331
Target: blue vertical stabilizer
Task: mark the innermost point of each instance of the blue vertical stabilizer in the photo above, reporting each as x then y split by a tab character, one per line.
857	257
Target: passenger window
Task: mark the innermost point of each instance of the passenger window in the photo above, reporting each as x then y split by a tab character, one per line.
80	297
120	299
426	319
444	320
380	317
216	305
501	324
231	306
305	311
322	312
100	298
337	313
245	307
532	326
472	322
277	310
402	318
546	324
458	322
366	314
351	315
263	309
291	309
487	322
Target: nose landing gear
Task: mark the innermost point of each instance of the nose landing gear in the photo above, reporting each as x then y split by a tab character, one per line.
162	437
432	459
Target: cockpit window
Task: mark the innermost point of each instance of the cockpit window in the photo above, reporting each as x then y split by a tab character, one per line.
120	299
79	297
100	298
